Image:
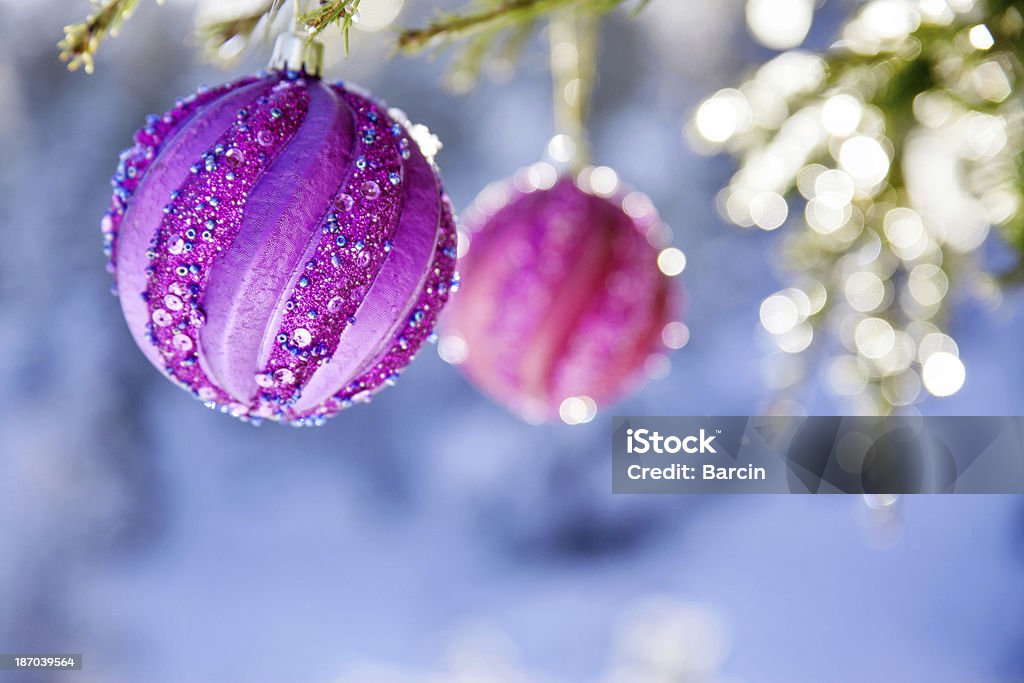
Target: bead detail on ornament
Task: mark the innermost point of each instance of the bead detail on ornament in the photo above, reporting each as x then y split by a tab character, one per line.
370	189
236	158
344	202
301	337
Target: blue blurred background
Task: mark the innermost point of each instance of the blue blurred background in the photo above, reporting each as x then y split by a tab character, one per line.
431	536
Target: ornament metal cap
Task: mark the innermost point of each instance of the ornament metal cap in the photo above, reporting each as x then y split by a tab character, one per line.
297	52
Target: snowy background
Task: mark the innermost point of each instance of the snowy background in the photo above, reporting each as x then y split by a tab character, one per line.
431	536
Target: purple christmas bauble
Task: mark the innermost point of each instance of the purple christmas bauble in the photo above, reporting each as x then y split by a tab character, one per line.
564	302
281	247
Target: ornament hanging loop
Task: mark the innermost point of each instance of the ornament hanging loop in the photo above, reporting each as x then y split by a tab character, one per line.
573	38
296	51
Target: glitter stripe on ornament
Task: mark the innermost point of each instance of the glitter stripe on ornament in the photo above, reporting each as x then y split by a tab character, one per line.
418	327
244	302
206	215
149	141
153	199
334	286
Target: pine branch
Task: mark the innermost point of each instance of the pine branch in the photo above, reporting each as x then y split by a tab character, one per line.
343	13
844	168
82	40
495	31
496	16
506	22
214	35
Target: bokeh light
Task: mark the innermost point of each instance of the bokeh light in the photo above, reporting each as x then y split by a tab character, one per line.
780	24
671	261
943	374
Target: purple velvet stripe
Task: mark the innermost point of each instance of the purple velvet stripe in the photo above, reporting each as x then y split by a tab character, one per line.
244	295
389	301
145	210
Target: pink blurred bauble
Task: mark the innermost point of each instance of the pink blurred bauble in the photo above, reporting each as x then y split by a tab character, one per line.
281	246
563	303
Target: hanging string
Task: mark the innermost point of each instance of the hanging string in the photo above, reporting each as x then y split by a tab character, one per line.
573	43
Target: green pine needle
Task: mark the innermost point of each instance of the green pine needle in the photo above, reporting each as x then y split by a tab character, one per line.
82	40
